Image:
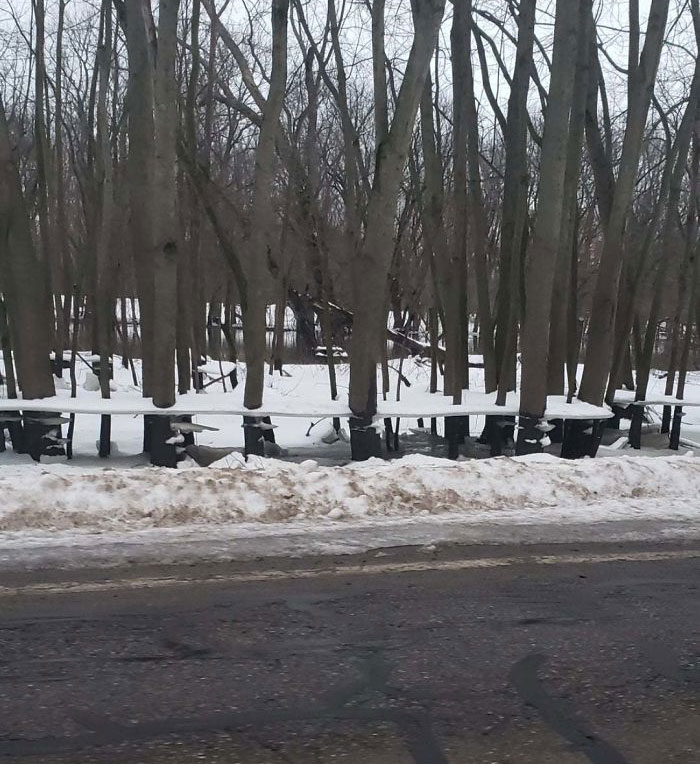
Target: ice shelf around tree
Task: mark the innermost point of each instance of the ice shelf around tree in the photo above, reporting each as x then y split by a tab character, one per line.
414	404
626	398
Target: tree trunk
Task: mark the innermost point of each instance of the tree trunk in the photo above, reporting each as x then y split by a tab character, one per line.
105	186
514	217
140	168
255	308
564	286
477	212
165	256
24	281
543	254
601	327
371	264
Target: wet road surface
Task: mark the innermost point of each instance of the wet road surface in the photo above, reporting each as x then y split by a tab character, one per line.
554	655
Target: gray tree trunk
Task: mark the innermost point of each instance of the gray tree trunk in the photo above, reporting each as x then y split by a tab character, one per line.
514	217
544	249
23	280
642	77
372	261
254	312
167	229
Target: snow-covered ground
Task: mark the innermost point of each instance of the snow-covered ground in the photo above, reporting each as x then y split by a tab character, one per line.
62	510
50	507
56	498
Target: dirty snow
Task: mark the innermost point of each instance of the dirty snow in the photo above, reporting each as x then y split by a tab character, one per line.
47	499
284	506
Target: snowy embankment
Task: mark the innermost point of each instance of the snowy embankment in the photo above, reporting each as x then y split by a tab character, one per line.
46	500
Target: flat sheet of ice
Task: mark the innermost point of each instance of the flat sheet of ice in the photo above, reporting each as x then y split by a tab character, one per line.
300	403
625	397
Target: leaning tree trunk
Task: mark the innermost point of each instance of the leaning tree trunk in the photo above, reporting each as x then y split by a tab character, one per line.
371	264
601	327
670	232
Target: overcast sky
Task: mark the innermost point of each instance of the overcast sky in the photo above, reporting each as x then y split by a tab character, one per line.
612	29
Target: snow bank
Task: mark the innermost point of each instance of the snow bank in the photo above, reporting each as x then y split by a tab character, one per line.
58	498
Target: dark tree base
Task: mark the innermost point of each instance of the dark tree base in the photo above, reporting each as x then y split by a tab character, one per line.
147	436
58	365
40	439
16	432
490	435
498	433
619	413
268	433
254	437
97	368
635	434
666	419
365	442
453	436
69	437
557	434
105	446
163	454
529	435
614	422
388	434
675	438
581	438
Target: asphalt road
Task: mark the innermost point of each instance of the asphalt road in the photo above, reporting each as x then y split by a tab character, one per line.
554	655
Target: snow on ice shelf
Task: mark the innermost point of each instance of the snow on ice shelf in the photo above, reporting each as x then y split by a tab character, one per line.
414	404
626	397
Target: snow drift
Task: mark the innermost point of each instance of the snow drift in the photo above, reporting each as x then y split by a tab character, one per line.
57	498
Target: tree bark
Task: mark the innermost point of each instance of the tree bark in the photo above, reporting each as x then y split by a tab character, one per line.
254	312
564	285
601	326
165	254
371	264
23	279
543	254
514	216
140	169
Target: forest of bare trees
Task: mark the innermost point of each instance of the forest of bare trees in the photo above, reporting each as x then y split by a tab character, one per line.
526	170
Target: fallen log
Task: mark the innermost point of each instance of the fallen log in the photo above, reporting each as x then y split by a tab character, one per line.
415	347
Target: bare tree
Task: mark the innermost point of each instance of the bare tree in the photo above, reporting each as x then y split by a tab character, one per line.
23	280
371	263
544	250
